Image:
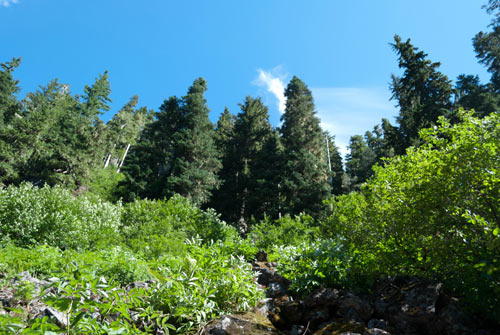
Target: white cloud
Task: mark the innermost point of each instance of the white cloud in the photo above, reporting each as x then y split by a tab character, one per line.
274	83
348	111
7	3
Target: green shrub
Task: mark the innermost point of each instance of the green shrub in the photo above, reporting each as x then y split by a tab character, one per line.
283	231
158	227
30	215
314	264
207	284
41	261
104	183
434	212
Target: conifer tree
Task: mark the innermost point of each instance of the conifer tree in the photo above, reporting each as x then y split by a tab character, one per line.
305	182
471	94
196	160
245	170
9	107
359	162
423	93
123	131
223	199
176	152
335	166
149	162
265	183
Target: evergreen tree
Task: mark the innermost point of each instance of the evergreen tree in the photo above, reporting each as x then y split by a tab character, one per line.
335	166
246	173
423	93
176	152
9	107
223	199
149	162
123	131
305	182
487	47
359	162
265	193
63	136
470	94
196	160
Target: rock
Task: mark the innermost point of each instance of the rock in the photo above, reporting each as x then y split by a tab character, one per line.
451	320
338	327
264	306
317	316
275	290
297	330
25	277
352	306
377	323
409	304
376	331
261	256
249	323
322	297
61	318
268	275
286	314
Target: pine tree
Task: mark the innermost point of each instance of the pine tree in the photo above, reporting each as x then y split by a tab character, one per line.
63	136
149	162
223	199
487	47
196	162
9	107
123	131
176	152
244	175
265	199
305	180
359	162
471	94
423	93
335	166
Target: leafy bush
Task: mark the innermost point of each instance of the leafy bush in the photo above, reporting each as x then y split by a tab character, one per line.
41	261
283	231
30	215
314	264
434	212
209	283
104	183
157	227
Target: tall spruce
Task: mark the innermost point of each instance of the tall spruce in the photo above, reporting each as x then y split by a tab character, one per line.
223	199
176	152
123	131
196	160
245	167
422	92
335	165
359	161
149	162
9	107
471	94
305	176
487	47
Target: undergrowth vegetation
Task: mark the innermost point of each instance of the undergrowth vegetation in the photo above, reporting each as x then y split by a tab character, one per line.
152	265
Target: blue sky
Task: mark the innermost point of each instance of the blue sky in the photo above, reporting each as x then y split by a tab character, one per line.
156	48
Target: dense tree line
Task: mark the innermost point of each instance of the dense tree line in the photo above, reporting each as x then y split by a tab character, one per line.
422	94
243	167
